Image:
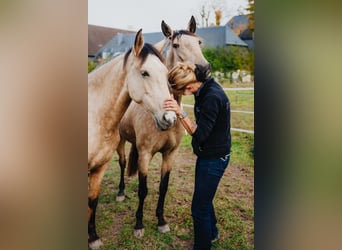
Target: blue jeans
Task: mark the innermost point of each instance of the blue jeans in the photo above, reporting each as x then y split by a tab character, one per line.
208	174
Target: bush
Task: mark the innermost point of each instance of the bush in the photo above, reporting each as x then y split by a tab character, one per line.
231	58
91	65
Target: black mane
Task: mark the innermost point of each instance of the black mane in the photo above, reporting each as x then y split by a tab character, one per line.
146	50
182	32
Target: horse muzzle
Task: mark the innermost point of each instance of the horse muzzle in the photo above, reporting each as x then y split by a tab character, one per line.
167	120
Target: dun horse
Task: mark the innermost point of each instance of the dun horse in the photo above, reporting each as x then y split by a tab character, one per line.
137	128
140	75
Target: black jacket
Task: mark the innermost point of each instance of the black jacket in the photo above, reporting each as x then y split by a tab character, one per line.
212	111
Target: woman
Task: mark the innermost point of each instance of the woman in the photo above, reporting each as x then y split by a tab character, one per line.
211	142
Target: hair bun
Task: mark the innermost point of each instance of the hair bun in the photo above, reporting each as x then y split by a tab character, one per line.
202	72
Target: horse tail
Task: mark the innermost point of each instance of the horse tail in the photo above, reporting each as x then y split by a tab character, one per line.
132	167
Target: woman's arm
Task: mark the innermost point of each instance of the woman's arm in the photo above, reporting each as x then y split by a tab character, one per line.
172	105
190	126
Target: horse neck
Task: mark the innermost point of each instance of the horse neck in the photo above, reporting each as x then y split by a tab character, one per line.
114	94
170	60
160	46
121	105
178	98
170	63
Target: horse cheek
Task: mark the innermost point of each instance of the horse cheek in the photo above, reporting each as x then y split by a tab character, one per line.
134	90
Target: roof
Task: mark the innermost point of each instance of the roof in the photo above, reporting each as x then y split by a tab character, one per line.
98	36
250	43
122	42
219	36
240	25
212	36
247	34
236	21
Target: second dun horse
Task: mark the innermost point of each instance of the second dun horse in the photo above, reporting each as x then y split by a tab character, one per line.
137	127
140	75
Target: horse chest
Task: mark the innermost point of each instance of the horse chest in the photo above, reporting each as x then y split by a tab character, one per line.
102	150
172	138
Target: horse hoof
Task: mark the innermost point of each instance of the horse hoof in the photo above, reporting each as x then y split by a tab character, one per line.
164	229
139	233
95	244
120	198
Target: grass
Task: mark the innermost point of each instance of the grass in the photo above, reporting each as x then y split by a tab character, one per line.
234	200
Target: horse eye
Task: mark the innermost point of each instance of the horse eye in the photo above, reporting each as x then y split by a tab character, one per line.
144	73
199	42
175	45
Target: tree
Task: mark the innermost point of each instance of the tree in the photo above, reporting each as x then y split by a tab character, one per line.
250	10
205	12
231	58
218	16
219	6
216	6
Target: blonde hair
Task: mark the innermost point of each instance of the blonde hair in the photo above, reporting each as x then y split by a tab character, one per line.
181	75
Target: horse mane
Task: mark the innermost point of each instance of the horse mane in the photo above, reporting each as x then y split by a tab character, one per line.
182	32
148	49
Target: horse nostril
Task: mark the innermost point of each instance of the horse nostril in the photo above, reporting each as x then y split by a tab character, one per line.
170	117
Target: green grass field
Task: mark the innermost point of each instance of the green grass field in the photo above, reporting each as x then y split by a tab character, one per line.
234	200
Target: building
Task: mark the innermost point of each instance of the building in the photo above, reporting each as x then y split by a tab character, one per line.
215	36
240	25
98	36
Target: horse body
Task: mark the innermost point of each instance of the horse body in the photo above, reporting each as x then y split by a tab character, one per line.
134	127
137	128
102	120
139	75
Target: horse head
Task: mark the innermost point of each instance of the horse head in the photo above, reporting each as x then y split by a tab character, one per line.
146	81
185	46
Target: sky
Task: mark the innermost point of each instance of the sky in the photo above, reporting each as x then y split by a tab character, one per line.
148	14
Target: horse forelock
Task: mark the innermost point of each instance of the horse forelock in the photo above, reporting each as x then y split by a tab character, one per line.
148	49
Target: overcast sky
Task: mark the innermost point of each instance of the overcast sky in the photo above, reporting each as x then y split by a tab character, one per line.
148	14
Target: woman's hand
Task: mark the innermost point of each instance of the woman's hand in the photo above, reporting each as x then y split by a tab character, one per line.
172	105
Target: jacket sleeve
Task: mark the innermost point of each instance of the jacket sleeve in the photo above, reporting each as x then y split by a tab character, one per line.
209	110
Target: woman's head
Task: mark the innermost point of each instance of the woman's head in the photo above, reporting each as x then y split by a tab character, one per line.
181	75
184	78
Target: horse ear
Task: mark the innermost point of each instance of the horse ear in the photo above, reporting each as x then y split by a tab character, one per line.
167	31
192	25
138	43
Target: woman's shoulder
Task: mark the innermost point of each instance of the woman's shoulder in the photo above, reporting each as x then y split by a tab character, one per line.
217	92
211	90
215	86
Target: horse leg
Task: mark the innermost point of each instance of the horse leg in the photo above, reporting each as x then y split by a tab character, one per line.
164	183
95	179
162	224
122	162
142	193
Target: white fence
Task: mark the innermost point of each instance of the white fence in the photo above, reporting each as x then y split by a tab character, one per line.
233	111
